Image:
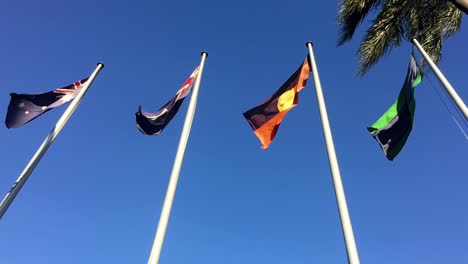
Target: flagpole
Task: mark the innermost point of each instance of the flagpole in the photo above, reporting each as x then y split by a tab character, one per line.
10	196
347	228
445	83
171	188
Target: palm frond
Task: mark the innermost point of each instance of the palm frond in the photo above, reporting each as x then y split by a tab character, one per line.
351	14
429	21
440	21
386	32
452	21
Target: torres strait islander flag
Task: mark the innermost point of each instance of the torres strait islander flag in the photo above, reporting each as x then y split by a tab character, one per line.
393	128
23	108
266	118
154	123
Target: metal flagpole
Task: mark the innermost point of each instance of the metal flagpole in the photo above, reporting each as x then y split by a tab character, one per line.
351	249
448	87
171	188
10	196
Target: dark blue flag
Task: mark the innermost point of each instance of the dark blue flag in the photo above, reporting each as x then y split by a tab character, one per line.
25	107
154	123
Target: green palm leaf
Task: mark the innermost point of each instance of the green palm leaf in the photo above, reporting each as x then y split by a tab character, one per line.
429	21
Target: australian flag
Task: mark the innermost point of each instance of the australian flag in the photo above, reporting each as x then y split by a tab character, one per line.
25	107
154	123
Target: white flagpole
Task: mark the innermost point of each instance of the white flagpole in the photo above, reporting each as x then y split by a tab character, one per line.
347	228
445	83
10	196
171	188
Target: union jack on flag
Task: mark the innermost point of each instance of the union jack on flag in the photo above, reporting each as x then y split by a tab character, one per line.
154	123
23	108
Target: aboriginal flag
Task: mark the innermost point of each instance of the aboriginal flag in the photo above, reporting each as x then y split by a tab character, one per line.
266	118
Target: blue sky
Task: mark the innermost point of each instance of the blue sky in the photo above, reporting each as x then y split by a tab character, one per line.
97	194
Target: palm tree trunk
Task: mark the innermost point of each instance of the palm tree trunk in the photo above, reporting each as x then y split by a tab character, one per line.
461	4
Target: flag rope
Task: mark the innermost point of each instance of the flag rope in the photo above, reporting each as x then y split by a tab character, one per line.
450	111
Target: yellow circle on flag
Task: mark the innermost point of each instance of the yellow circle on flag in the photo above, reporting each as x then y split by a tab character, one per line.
286	100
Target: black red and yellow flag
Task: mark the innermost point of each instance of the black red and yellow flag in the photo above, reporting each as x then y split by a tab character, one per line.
266	118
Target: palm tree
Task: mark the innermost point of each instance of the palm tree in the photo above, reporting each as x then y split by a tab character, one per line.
429	21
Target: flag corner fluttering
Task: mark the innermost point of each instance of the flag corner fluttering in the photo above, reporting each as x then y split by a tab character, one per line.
154	123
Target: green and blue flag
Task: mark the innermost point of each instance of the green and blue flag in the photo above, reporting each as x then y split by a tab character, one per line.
393	128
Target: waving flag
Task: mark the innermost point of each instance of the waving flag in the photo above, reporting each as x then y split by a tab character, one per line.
393	128
25	107
154	123
266	118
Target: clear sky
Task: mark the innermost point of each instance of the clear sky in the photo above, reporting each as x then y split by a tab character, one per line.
97	194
